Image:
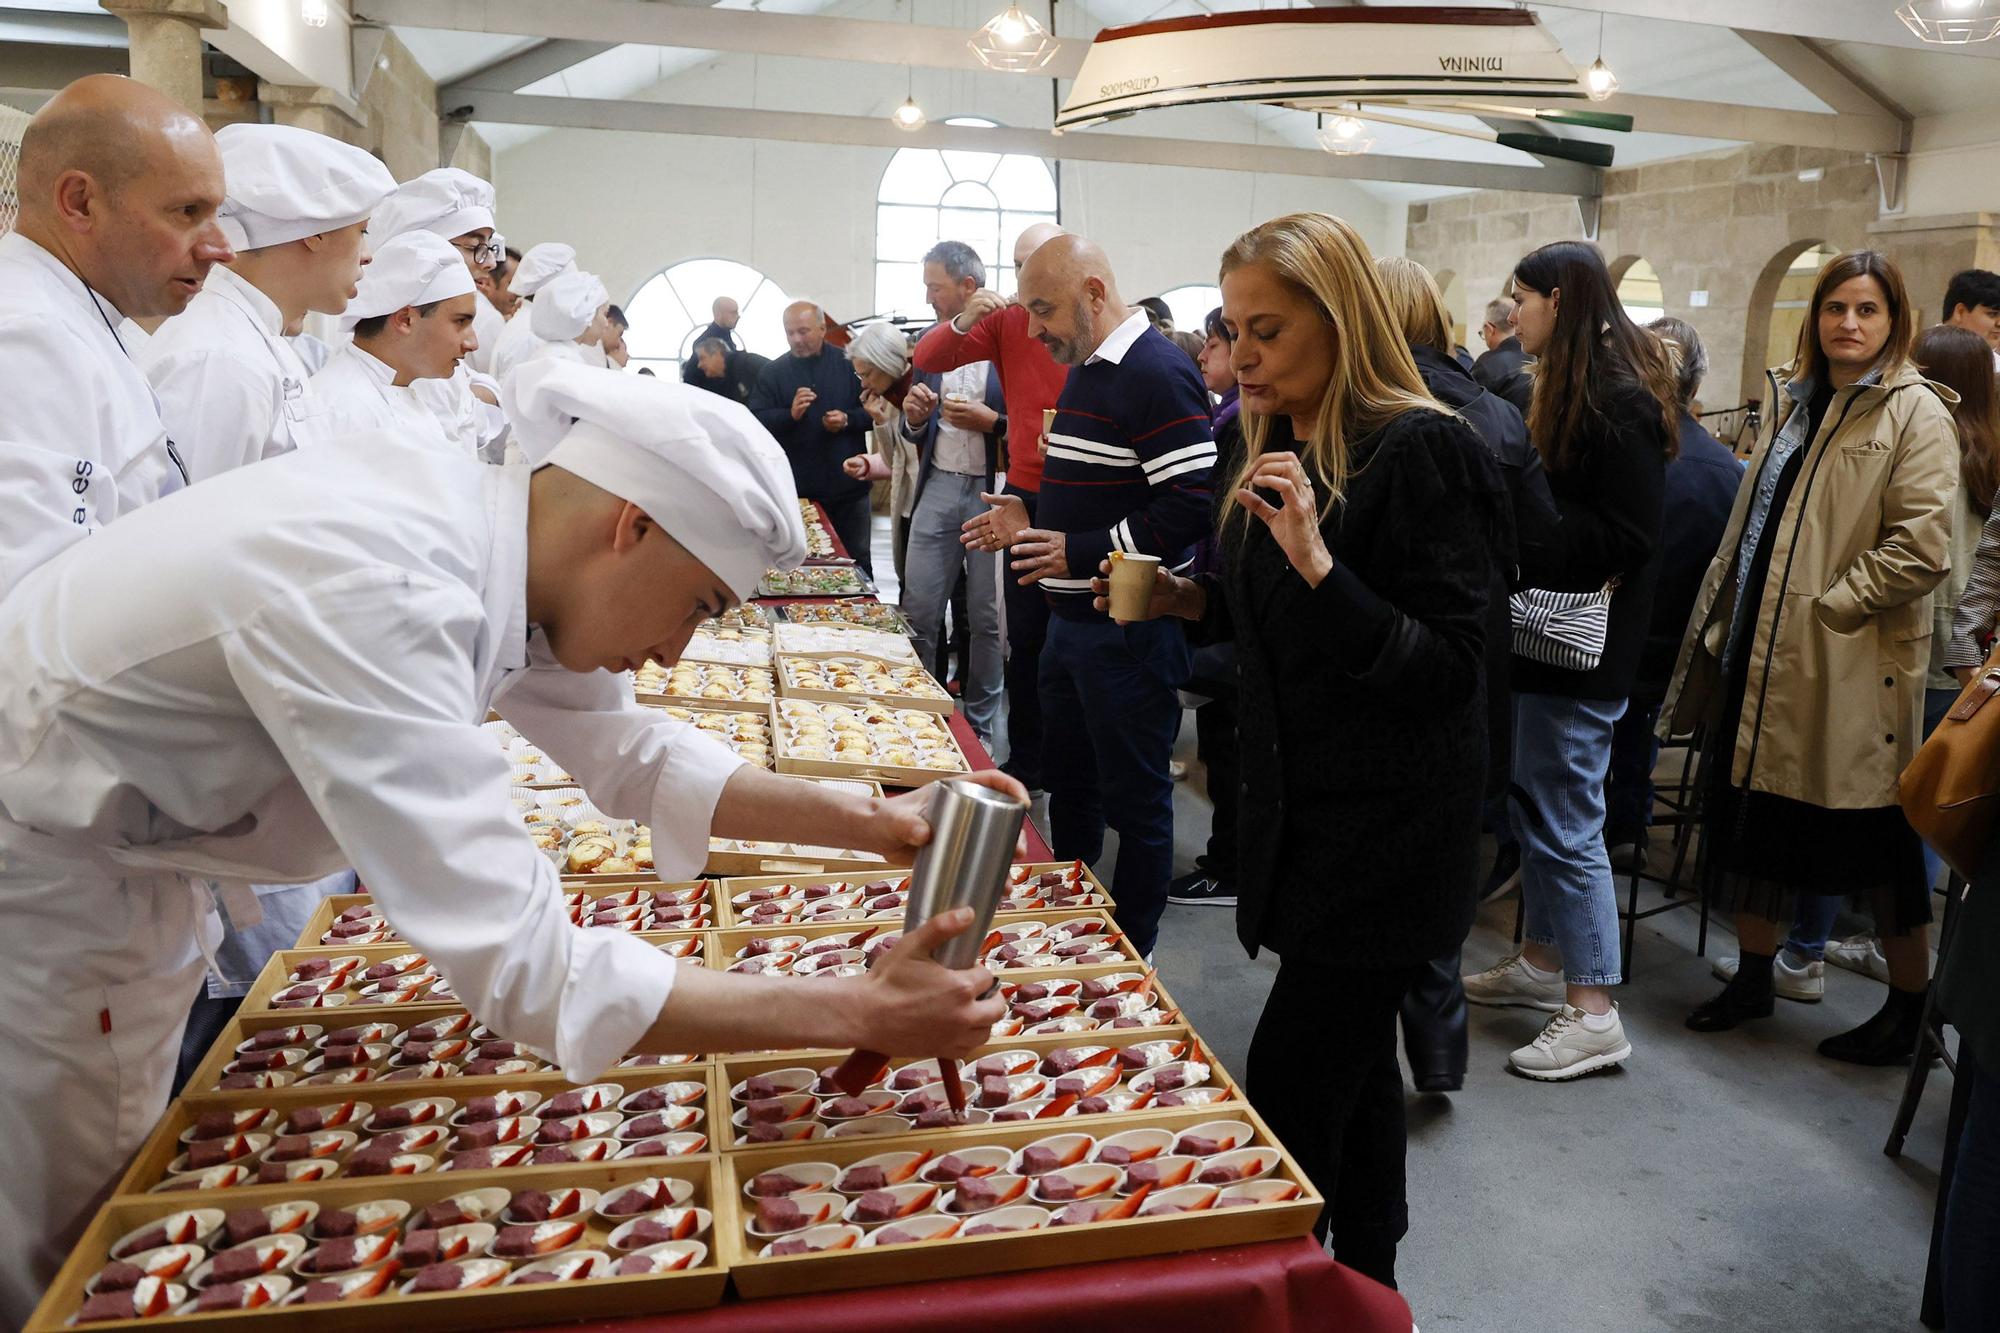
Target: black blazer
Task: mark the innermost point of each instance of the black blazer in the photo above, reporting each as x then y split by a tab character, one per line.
1503	371
1362	715
1702	482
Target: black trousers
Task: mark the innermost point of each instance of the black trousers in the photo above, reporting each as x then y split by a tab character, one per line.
1027	629
1341	1113
1221	753
852	522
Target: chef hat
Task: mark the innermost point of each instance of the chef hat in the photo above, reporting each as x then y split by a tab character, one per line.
447	201
541	265
565	308
883	347
698	464
284	184
415	268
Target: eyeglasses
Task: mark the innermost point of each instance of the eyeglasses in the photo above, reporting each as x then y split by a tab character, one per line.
485	252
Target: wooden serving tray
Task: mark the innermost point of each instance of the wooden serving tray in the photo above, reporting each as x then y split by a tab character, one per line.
332	906
727	917
722	948
202	1084
1049	1248
787	690
273	978
491	1307
149	1165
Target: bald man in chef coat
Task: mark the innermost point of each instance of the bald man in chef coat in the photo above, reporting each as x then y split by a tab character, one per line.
285	669
119	189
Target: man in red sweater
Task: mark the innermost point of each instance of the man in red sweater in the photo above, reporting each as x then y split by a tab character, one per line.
991	328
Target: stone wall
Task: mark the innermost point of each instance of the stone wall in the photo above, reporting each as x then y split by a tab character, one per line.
1726	223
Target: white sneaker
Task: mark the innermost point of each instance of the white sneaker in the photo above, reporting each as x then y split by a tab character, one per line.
1567	1049
1508	982
1805	984
1859	953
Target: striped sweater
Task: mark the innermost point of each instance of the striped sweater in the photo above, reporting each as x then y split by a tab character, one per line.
1128	462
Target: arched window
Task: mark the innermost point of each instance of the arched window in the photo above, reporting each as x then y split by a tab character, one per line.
673	307
928	195
1789	302
1639	292
1191	304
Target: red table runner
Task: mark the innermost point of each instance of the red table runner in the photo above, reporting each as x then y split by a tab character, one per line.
1274	1287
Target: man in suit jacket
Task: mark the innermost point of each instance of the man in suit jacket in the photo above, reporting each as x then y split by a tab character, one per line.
1501	370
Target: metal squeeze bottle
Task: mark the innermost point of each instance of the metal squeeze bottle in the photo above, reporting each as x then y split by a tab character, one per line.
974	831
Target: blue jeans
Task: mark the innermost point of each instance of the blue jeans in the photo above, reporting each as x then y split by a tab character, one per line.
1109	718
930	568
1562	747
1971	1241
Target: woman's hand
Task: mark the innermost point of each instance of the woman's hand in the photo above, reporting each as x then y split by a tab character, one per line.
1172	595
1294	520
880	410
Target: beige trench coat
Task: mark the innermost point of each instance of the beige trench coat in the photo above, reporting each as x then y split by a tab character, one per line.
1833	710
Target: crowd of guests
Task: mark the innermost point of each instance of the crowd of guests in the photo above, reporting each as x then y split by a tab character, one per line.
1354	519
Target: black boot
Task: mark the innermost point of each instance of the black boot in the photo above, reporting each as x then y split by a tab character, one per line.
1889	1038
1434	1034
1748	995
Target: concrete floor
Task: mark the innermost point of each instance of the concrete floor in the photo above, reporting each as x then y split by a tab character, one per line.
1718	1182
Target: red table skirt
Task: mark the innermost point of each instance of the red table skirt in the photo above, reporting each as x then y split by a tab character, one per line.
1275	1286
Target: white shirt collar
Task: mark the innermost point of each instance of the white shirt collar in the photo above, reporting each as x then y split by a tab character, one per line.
231	286
66	277
1119	341
378	370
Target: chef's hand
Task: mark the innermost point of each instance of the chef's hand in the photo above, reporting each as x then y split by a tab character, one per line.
978	306
1040	554
999	527
1172	595
834	422
901	824
918	405
880	410
967	415
1294	520
801	401
915	1007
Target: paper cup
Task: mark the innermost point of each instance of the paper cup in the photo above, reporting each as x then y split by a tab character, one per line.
1132	585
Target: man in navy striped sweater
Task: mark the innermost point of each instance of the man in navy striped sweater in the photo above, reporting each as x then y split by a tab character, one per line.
1128	470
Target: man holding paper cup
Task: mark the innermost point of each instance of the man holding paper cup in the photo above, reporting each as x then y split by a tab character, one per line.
1126	476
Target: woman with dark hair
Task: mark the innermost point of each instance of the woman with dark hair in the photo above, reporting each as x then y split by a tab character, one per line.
1809	646
1603	418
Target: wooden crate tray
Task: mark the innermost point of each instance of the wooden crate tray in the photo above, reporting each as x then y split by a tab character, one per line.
728	917
1052	1247
204	1082
816	581
728	940
888	774
491	1307
276	973
860	613
152	1164
941	703
597	886
732	1071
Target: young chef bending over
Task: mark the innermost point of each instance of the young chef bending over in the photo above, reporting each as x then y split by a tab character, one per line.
283	670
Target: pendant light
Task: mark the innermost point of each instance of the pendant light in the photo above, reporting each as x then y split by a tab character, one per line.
1346	137
1598	80
909	117
314	13
1013	41
1951	22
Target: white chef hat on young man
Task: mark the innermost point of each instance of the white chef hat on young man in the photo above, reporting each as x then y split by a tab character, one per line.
415	268
698	464
542	265
565	308
281	183
446	201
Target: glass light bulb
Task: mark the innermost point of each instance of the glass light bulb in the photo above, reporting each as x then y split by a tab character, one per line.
1599	81
1010	27
908	116
313	13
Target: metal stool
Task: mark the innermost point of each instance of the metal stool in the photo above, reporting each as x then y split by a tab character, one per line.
1930	1032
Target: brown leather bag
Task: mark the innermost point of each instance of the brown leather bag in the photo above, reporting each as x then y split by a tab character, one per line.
1950	792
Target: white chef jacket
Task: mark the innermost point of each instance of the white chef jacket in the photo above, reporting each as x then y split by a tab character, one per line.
474	426
487	324
233	389
515	342
81	441
360	393
283	670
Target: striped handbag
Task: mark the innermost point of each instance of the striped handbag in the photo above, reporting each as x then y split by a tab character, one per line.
1562	629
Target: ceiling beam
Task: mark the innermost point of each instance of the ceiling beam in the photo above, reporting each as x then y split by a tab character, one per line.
1756	124
538	62
738	30
585	113
1871	21
1824	77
